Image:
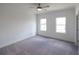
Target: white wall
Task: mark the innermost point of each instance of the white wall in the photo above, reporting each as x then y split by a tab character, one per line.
78	26
17	22
51	17
77	13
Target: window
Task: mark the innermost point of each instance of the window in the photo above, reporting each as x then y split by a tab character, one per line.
61	24
43	25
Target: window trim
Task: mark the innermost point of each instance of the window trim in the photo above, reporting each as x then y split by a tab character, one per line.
64	31
43	24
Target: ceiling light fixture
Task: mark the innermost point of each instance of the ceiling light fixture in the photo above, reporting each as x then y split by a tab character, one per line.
39	8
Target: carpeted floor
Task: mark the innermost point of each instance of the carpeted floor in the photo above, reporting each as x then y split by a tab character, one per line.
38	45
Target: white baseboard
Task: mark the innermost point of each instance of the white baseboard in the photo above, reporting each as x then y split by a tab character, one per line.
25	37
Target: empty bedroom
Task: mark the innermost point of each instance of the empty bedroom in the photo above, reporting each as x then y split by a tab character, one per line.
39	28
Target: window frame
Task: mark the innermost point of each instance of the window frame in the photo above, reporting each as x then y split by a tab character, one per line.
43	24
62	25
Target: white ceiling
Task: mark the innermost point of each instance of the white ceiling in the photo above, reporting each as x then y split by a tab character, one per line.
53	6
